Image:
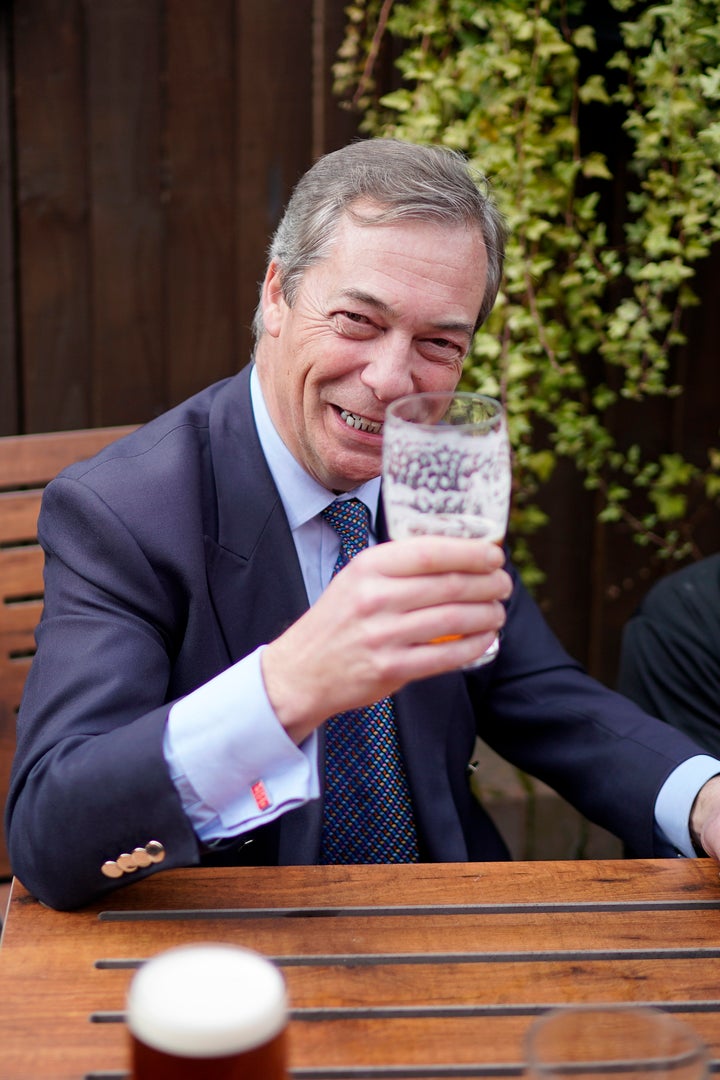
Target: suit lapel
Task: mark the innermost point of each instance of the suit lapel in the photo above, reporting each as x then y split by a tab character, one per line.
254	576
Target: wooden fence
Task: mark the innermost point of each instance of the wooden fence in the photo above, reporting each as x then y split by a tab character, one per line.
146	150
148	147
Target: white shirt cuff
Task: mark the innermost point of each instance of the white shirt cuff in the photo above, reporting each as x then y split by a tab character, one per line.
232	762
676	797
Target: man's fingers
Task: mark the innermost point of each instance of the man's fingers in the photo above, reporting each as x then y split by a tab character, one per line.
368	592
436	555
705	818
375	622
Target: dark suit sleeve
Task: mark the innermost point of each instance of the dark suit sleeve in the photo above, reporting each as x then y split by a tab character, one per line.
670	657
541	711
89	780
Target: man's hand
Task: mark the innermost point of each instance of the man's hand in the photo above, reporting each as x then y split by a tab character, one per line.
373	628
705	818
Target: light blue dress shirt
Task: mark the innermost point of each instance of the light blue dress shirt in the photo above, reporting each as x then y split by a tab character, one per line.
231	760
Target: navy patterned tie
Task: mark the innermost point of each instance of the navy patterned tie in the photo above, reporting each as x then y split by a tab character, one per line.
368	813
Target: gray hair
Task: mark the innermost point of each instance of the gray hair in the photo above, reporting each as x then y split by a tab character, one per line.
406	182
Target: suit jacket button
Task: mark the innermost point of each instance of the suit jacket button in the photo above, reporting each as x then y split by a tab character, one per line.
111	869
155	850
141	857
126	862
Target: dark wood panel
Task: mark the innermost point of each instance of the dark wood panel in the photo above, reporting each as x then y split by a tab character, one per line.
125	86
274	116
9	352
332	125
158	144
199	196
52	206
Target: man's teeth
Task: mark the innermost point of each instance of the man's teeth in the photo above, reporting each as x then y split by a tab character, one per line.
354	421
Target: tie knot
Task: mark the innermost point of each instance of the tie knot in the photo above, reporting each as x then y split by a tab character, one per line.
350	518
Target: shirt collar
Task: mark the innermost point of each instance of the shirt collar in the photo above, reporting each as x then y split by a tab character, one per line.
302	496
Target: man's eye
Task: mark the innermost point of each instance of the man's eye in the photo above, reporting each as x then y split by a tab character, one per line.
444	347
352	322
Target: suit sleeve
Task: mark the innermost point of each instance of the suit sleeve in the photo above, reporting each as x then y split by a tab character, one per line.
89	780
543	712
670	657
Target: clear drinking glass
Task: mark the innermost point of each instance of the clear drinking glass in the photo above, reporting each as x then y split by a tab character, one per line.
614	1042
447	469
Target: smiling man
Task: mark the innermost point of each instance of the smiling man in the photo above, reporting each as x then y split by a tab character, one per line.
232	664
390	310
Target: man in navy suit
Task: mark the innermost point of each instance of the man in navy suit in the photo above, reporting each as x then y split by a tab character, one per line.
194	640
670	656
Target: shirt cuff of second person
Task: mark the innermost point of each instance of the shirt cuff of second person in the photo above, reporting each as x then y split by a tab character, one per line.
232	763
676	797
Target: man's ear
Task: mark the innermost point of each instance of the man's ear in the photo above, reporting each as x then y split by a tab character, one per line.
273	301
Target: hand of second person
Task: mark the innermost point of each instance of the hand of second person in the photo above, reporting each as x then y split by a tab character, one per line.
373	628
705	818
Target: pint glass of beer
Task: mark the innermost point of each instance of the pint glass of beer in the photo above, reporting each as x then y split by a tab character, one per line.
208	1012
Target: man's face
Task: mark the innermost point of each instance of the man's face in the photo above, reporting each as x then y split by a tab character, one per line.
390	311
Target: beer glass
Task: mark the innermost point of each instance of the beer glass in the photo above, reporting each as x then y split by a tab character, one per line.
614	1042
207	1012
447	469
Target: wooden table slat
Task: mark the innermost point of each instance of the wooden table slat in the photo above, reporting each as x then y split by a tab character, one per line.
393	973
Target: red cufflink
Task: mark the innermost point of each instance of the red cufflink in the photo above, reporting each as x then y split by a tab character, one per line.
263	800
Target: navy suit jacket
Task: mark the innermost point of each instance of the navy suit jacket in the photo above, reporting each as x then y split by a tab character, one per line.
168	558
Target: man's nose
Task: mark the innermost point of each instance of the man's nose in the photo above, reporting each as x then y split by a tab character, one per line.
389	370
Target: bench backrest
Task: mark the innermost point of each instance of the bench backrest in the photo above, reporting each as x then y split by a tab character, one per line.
27	464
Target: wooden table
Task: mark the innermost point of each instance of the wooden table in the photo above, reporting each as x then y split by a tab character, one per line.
393	972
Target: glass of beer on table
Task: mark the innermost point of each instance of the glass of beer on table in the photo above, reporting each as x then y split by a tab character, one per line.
447	470
208	1012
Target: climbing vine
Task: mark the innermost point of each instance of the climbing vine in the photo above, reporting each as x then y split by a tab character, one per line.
592	313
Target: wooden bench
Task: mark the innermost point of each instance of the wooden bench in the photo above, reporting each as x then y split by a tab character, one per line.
27	464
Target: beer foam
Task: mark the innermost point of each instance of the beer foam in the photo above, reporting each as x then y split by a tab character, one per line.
206	1001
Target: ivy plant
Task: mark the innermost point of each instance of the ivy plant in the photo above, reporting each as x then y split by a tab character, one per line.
593	307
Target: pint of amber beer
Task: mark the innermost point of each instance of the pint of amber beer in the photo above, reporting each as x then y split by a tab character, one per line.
208	1012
